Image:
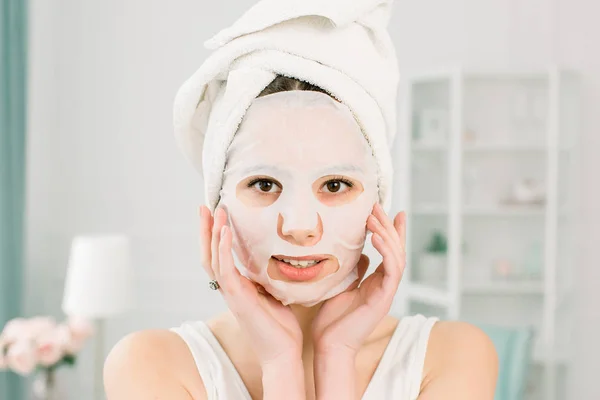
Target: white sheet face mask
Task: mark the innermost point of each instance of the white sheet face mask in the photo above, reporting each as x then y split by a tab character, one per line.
300	182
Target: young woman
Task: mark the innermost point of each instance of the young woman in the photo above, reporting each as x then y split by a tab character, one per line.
290	121
298	196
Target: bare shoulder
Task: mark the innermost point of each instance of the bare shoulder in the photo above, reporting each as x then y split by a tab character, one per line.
461	362
152	364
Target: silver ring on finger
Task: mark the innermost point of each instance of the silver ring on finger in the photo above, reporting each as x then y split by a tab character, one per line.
214	285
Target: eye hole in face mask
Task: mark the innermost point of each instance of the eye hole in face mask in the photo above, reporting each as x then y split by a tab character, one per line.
258	191
265	186
331	190
335	190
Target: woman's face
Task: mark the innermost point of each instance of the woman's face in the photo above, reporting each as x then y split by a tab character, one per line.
299	184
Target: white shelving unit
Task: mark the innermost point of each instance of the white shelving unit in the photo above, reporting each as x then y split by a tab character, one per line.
474	135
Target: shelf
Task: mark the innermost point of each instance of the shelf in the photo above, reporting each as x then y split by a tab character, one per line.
466	157
503	147
516	211
425	147
485	147
504	288
431	209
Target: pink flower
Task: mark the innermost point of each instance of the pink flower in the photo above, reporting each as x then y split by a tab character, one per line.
81	329
39	340
37	326
23	329
14	329
51	345
21	357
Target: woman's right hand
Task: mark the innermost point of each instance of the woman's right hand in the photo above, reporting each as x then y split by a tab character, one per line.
270	327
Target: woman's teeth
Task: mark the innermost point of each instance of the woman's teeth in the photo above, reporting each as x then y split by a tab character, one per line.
300	263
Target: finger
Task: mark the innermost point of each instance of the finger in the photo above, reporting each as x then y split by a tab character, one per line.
379	218
206	222
219	221
390	227
385	221
229	275
390	264
376	227
400	226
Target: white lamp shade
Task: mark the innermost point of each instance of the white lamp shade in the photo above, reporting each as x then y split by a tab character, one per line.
99	280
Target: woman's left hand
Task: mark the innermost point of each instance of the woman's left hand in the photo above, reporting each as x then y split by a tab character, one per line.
346	320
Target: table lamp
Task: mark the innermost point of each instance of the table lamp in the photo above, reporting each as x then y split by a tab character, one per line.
98	285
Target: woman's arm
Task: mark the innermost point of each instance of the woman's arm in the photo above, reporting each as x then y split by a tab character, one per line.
461	364
152	365
335	375
284	380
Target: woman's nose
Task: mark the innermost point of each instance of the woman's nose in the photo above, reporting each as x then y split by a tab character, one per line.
300	233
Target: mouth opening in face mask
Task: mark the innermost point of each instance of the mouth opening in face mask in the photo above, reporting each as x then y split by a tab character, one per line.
301	269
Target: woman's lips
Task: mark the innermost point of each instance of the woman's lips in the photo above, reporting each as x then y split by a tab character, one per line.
297	273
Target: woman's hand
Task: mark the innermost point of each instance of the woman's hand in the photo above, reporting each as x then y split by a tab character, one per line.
268	325
346	320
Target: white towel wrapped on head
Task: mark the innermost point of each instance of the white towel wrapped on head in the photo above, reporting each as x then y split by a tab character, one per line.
339	45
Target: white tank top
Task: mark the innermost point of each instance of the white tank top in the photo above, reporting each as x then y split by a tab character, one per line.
398	375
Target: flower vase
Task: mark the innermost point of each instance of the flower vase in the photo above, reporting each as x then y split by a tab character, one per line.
44	385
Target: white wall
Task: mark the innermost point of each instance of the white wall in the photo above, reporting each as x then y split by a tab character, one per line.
508	33
578	31
101	153
102	158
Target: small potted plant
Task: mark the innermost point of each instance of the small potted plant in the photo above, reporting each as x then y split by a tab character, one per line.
432	262
40	345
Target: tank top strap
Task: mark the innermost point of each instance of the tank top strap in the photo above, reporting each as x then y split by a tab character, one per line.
411	347
220	377
400	369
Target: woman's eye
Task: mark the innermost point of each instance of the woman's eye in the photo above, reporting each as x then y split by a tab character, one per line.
335	186
264	185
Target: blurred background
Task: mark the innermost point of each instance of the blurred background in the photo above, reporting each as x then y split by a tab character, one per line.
496	164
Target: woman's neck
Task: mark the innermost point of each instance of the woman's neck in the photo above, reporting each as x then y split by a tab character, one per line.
305	317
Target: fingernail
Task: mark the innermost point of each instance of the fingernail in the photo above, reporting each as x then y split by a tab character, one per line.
223	231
